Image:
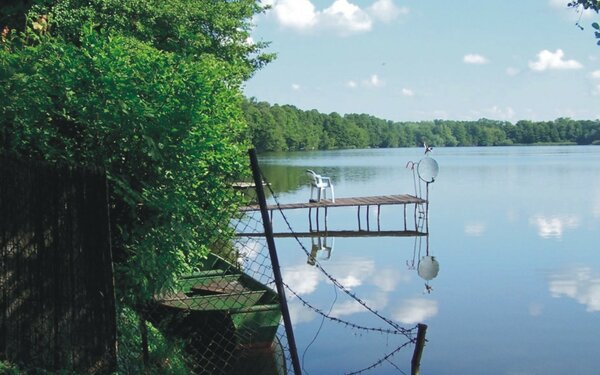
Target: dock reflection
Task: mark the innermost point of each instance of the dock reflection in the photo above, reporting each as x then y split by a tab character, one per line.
423	261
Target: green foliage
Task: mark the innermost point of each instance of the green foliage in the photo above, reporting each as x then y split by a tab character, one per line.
166	128
149	91
219	28
8	368
588	4
272	127
165	357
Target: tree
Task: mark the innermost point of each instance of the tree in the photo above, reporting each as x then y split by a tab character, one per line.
149	90
589	4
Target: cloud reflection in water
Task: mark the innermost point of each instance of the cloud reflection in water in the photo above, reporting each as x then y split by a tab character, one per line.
554	226
580	284
474	229
416	310
352	273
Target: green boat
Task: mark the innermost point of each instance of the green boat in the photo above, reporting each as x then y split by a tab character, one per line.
220	287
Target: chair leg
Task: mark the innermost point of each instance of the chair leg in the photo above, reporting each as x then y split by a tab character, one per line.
332	194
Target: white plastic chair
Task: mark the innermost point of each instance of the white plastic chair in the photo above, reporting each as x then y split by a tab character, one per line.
320	183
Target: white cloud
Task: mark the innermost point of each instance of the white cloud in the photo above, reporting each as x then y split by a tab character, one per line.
408	92
346	17
386	11
296	14
595	74
580	284
553	226
547	60
295	86
473	58
342	16
373	81
416	310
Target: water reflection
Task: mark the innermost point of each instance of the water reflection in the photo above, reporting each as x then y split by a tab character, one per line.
353	272
321	249
579	283
416	310
505	215
474	229
554	226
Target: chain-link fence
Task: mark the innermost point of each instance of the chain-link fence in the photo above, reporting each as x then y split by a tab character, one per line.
229	316
56	287
224	318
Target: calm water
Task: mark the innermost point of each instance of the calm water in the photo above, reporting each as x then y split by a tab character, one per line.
516	231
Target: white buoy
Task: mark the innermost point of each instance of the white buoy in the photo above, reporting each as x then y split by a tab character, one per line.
428	267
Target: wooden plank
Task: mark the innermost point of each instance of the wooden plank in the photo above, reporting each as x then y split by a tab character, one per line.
341	233
219	286
190	283
215	302
400	199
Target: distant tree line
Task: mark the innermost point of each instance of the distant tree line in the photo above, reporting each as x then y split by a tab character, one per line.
287	128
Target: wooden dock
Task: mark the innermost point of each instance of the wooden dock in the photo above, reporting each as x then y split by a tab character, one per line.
381	200
340	233
358	202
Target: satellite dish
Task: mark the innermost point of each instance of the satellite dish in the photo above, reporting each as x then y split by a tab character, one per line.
428	267
428	169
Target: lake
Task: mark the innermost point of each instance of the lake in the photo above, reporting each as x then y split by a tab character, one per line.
516	231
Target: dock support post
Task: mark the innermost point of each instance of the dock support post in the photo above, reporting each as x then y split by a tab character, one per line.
415	217
368	210
358	216
285	312
378	216
415	364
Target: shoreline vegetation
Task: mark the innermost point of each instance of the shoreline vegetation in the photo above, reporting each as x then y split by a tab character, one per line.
287	128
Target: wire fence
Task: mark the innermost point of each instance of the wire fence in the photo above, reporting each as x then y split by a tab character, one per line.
227	317
56	288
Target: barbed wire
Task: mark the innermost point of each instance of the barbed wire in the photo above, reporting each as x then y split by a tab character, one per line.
342	321
406	332
381	360
394	365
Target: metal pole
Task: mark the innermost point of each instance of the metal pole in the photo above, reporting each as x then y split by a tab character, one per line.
285	312
415	364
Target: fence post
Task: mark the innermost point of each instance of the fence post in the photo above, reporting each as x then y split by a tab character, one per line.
274	261
415	364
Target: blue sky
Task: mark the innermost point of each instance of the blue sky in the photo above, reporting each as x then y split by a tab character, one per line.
406	60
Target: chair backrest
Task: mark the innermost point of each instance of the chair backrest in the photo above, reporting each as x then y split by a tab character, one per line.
315	178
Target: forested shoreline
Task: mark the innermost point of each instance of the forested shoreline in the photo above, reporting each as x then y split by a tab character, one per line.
287	128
